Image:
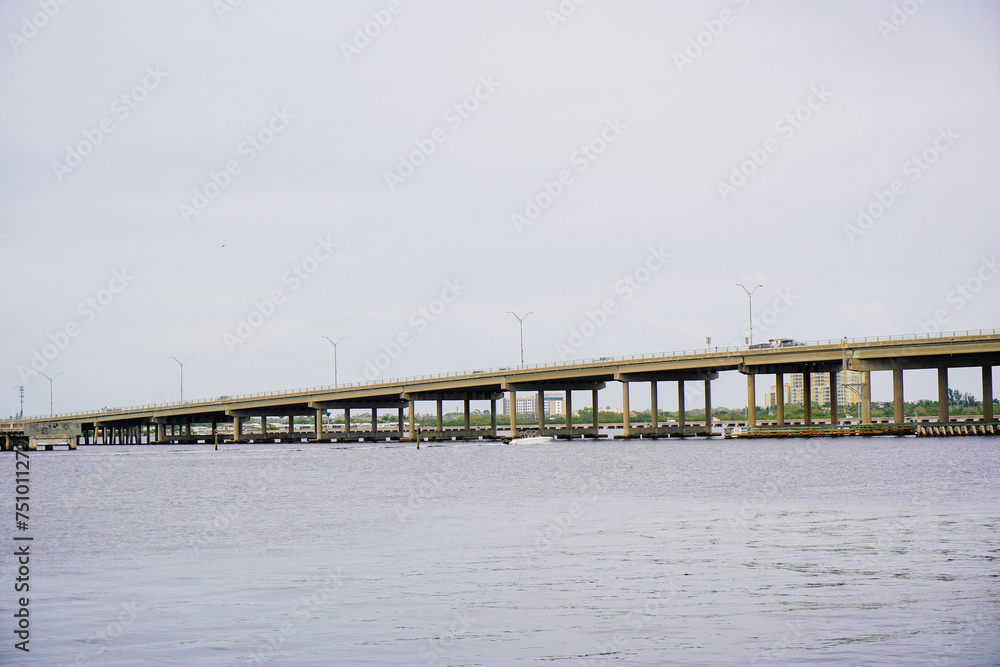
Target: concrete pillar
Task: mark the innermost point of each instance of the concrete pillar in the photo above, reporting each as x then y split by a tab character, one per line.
626	418
897	396
468	419
569	413
779	397
237	429
708	404
595	417
807	410
834	417
493	418
400	418
375	423
540	411
513	413
654	408
318	425
291	426
943	415
987	393
413	426
751	399
187	429
681	420
440	407
866	398
347	421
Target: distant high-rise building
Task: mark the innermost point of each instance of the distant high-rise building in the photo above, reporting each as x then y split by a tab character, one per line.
554	403
848	389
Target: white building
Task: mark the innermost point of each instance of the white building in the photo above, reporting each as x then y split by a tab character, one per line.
555	403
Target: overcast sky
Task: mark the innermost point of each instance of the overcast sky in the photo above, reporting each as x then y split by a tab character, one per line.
231	183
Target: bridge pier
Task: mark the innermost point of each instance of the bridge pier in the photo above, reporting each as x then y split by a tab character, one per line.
412	420
399	423
779	397
468	420
807	418
627	426
680	405
513	413
987	393
751	399
898	417
595	417
440	420
943	415
708	404
493	418
834	417
540	411
237	429
866	397
654	408
569	414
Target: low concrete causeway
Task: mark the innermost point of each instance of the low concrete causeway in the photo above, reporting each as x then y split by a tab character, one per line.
226	419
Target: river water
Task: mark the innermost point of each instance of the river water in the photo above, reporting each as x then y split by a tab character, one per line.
702	552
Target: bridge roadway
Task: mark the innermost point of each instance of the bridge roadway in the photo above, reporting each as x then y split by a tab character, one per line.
173	422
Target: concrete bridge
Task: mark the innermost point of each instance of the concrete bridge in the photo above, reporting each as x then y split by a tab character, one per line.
228	418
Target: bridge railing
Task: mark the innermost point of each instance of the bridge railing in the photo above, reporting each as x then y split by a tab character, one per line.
597	361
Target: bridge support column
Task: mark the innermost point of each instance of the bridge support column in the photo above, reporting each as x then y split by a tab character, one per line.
160	433
513	413
374	423
626	412
187	429
569	413
468	426
987	393
708	405
237	429
540	411
412	417
866	398
779	397
595	418
654	408
943	415
897	396
493	418
807	408
318	425
440	407
347	422
834	417
680	405
751	399
400	418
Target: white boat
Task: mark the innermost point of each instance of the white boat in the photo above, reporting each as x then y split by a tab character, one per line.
532	440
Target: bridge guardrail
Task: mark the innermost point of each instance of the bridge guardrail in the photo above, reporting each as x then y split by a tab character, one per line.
696	352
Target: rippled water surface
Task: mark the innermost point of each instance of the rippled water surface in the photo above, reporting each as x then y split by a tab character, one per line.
840	551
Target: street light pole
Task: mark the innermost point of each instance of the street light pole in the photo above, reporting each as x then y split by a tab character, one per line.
334	357
181	364
520	326
50	379
750	300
